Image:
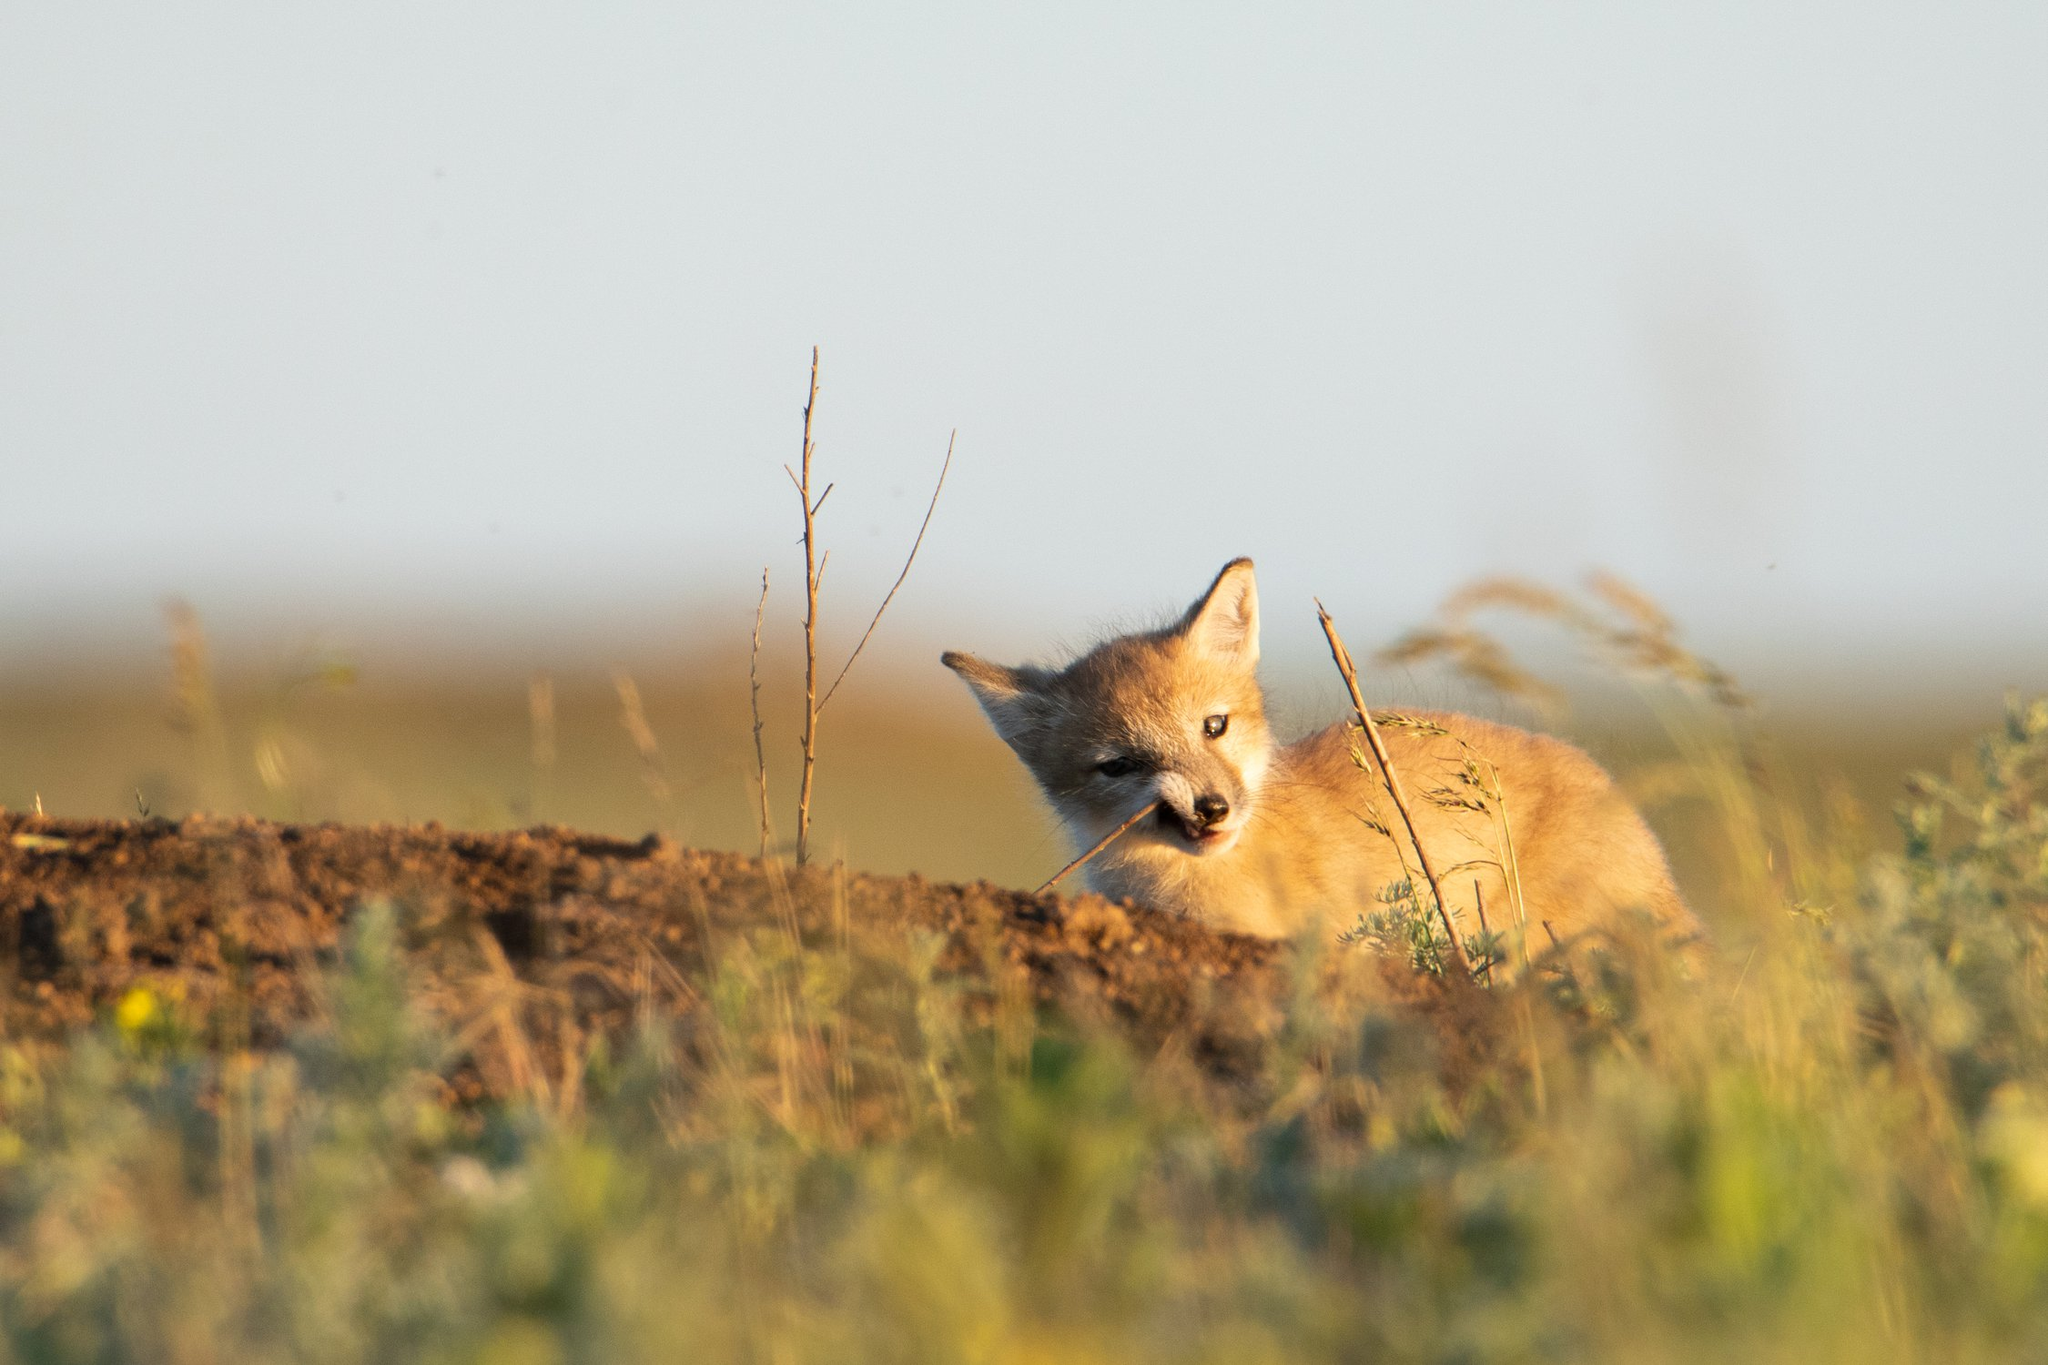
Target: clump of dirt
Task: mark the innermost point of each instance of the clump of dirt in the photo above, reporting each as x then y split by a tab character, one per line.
239	918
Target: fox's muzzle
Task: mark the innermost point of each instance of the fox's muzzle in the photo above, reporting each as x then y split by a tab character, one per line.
1197	820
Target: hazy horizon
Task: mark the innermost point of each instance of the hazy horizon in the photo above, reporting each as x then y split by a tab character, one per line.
489	327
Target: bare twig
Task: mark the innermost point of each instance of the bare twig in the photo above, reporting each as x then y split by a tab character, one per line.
754	700
1342	657
815	561
1104	842
907	562
810	737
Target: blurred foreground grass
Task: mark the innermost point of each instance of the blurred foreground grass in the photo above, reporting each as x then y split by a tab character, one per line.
1833	1147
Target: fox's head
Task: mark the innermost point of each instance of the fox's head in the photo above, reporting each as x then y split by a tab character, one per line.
1174	715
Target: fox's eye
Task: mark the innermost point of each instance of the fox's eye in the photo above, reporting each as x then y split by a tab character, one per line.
1120	766
1215	725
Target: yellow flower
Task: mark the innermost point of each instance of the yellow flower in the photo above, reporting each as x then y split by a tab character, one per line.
137	1011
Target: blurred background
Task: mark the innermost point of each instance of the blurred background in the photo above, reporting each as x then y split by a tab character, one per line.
446	360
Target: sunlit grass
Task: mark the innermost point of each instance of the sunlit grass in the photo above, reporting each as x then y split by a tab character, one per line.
1832	1146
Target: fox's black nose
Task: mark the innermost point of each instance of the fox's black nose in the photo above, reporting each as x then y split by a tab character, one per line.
1212	809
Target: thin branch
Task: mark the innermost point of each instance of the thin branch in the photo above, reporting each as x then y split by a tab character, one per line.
1100	845
811	571
911	559
1342	657
754	700
821	498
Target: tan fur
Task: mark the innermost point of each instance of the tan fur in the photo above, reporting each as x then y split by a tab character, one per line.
1297	848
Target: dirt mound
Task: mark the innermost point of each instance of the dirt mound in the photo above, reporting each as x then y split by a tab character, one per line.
560	933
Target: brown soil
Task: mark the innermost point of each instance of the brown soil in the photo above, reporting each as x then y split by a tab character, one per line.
571	933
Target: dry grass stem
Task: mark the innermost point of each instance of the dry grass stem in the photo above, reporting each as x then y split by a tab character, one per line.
653	771
815	561
813	571
909	560
1104	842
1511	862
754	702
1342	657
1622	625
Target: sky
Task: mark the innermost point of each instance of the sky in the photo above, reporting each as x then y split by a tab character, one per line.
482	326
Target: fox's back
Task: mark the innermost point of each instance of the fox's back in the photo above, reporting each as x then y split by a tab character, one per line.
1517	826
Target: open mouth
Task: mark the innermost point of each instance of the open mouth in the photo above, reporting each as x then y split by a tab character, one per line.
1196	837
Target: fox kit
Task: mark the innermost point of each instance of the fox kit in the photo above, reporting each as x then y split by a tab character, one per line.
1264	838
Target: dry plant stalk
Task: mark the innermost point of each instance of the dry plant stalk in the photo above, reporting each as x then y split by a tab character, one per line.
1511	862
495	1000
1479	774
1104	842
1633	632
1342	657
930	507
813	571
814	575
754	701
652	770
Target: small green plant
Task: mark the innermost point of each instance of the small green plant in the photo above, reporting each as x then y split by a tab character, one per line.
1407	930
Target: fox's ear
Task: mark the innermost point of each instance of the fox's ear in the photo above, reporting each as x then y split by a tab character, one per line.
1225	622
1013	702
